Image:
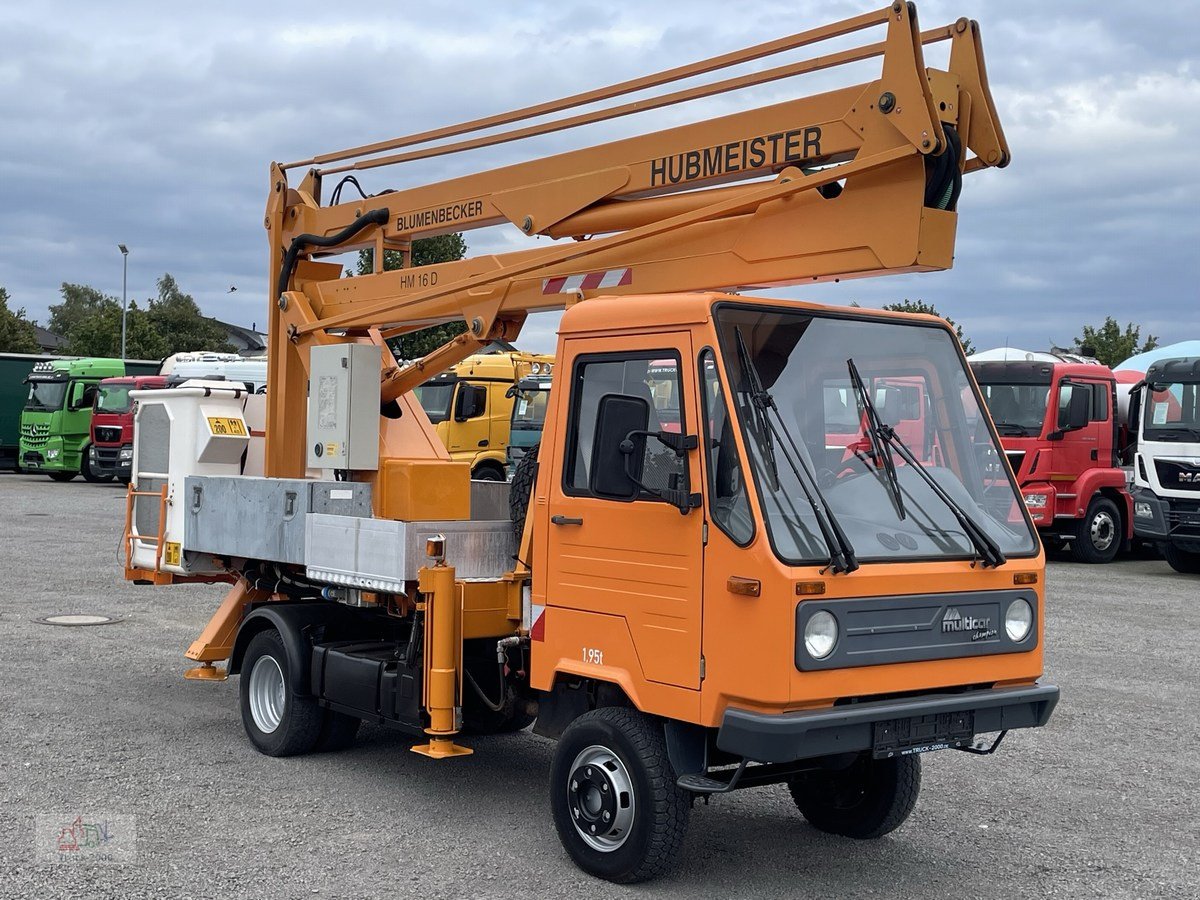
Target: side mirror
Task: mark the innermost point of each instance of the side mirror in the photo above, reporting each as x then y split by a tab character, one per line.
470	402
1079	409
619	447
83	396
1135	408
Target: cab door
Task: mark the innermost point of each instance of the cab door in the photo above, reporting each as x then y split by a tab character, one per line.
1083	448
640	560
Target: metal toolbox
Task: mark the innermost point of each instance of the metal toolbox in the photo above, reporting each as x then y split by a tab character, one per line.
384	554
263	518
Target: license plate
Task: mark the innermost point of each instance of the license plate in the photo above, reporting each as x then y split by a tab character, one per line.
921	734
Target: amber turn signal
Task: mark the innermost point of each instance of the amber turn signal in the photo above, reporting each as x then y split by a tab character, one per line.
747	587
435	547
1025	578
809	588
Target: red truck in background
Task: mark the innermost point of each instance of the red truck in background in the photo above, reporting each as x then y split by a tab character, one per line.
110	454
1060	427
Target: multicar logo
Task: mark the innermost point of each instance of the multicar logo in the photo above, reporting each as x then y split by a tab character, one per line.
954	621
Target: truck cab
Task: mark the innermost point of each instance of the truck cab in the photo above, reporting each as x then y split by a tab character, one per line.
530	397
1058	424
471	407
111	452
56	421
1165	411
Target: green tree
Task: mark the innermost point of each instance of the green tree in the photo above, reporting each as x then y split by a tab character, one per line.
100	335
426	251
17	334
1110	344
920	306
79	302
178	321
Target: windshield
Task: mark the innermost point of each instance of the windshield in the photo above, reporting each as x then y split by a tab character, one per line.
917	383
46	395
434	397
1017	409
114	398
1172	413
529	410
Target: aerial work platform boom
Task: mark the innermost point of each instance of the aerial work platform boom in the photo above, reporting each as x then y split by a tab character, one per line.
857	181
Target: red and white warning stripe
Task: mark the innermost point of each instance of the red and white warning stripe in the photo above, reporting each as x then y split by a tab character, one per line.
567	284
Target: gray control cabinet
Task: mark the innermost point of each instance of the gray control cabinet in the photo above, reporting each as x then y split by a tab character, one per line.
343	406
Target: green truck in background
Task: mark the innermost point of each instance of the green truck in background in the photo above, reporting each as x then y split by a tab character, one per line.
56	415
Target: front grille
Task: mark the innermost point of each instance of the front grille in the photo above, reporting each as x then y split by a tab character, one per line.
109	456
35	435
1177	475
108	434
1184	516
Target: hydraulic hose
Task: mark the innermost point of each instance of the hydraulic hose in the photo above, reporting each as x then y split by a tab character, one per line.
301	241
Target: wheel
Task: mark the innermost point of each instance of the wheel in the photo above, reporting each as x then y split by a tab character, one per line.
1099	533
617	809
62	476
866	800
277	721
487	472
521	488
1182	560
85	467
338	732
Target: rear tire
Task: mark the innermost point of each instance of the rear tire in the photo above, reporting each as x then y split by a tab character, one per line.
521	489
62	476
864	801
277	721
1098	537
617	809
1182	560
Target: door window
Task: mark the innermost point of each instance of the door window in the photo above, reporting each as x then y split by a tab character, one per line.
652	376
1065	392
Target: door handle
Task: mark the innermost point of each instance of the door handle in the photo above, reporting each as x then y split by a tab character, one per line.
566	520
483	443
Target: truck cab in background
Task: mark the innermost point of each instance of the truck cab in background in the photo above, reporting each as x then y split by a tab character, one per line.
1165	412
1058	423
471	407
56	422
222	366
530	397
111	452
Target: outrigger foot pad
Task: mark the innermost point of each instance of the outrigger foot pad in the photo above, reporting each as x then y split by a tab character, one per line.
442	748
205	672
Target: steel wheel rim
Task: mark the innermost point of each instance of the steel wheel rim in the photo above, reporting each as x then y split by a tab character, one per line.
266	694
600	799
1103	531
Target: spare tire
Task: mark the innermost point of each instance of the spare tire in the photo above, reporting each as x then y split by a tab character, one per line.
521	489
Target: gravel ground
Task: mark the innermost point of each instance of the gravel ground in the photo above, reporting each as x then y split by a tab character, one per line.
98	723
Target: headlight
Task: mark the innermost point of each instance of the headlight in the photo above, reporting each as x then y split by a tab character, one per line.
51	454
820	634
1142	510
91	452
536	368
1035	501
126	454
1018	620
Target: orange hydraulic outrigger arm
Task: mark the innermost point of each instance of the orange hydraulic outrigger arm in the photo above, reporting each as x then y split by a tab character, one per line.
852	182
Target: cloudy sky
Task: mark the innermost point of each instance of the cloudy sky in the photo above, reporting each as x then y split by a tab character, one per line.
152	125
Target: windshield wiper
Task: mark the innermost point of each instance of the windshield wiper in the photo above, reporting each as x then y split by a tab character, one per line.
881	454
841	553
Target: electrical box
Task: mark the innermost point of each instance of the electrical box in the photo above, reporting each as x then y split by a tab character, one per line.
343	406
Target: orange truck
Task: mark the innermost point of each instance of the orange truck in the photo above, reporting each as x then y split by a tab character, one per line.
705	583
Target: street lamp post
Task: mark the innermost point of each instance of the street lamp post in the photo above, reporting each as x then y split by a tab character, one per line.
124	285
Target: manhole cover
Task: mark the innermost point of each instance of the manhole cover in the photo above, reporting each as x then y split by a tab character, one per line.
77	619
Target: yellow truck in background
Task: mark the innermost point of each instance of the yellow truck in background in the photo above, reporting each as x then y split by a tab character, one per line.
470	406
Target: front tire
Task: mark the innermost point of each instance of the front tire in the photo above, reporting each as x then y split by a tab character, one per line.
85	467
1099	534
617	809
487	472
277	721
1182	560
864	801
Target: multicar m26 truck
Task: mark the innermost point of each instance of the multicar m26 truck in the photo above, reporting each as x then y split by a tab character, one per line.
689	606
470	406
1165	410
1060	428
57	420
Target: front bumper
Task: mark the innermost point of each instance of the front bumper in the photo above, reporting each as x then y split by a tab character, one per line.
107	460
787	737
1170	519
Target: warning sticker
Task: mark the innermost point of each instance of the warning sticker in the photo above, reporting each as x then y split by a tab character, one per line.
227	425
172	553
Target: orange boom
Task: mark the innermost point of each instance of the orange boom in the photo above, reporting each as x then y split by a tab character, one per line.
761	541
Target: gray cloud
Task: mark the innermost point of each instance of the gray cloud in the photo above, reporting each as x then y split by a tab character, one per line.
154	125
